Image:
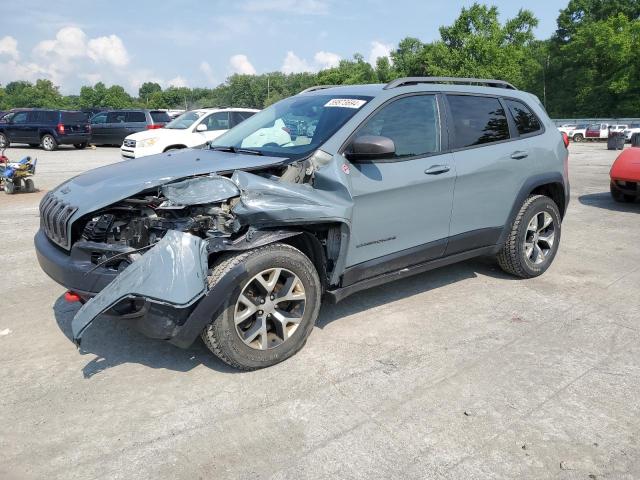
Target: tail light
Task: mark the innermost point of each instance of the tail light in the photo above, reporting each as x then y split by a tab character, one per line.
72	297
60	129
565	139
155	126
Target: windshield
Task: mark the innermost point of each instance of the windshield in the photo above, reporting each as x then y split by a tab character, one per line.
184	121
293	127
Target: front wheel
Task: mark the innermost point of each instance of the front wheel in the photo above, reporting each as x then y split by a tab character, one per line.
620	197
578	137
49	143
533	241
4	141
9	187
272	311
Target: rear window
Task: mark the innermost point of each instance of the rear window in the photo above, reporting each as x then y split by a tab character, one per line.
73	117
136	117
160	117
477	120
526	121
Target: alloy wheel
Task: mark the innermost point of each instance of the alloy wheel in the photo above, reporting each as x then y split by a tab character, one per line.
47	143
270	308
539	238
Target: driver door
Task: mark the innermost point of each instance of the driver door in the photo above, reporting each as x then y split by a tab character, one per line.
402	205
216	123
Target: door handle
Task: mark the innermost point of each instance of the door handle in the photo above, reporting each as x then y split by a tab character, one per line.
519	155
437	169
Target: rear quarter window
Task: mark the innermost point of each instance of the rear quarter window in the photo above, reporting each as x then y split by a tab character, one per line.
477	120
160	117
525	120
74	117
136	117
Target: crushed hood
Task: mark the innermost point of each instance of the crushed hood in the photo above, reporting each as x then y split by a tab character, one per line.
103	186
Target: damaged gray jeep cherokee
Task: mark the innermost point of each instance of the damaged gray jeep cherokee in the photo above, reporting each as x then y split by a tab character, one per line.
321	195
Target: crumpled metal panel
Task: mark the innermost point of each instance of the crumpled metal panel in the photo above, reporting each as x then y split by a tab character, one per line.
173	272
264	201
200	190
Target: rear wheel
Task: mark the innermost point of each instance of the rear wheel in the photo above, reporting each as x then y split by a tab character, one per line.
270	314
620	197
80	146
4	141
29	186
533	241
49	143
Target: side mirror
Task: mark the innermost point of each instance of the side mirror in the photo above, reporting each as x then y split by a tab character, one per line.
368	147
201	128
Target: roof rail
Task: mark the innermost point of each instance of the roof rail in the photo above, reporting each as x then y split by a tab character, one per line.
317	87
399	82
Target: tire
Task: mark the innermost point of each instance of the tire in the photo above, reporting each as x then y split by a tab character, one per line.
49	143
222	336
4	141
529	252
620	197
9	187
578	137
80	146
29	186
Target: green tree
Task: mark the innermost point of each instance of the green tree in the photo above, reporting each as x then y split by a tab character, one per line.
147	89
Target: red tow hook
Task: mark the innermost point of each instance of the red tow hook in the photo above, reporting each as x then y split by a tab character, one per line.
72	297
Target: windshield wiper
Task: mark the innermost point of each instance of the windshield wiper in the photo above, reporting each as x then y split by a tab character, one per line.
223	148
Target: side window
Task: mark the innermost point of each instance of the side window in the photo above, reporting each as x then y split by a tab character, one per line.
477	120
100	118
411	122
35	116
526	121
238	117
117	117
136	117
217	121
20	117
50	117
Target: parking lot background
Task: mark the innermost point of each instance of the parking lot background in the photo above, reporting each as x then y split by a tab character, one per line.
459	373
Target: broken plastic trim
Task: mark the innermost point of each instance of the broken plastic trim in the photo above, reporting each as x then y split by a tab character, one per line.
173	272
200	190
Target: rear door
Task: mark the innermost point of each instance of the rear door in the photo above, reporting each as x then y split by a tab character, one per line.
98	128
402	205
239	117
489	170
115	128
31	130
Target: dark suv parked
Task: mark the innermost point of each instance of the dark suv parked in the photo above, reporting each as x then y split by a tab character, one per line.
48	128
111	128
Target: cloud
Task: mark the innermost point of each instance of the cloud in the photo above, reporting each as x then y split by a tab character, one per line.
379	49
13	70
70	42
108	50
90	78
294	64
241	64
300	7
327	59
178	82
9	46
207	71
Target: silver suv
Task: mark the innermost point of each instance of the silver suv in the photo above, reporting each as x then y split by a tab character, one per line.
321	195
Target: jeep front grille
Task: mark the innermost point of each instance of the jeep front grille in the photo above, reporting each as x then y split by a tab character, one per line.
129	143
54	219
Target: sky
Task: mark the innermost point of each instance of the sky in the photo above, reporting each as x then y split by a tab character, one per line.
199	43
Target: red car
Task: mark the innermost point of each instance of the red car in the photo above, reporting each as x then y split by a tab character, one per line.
625	176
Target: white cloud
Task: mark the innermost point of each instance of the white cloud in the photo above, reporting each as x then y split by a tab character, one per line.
13	70
108	50
241	64
294	64
178	82
327	59
70	42
379	49
9	46
206	69
301	7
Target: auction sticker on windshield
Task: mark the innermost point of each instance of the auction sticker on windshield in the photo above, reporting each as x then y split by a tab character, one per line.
345	103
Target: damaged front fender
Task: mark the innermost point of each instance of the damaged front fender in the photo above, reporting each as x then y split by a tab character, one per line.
173	272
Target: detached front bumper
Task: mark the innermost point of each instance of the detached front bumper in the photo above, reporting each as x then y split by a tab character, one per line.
169	281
